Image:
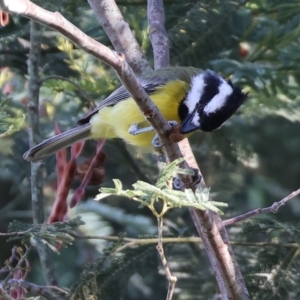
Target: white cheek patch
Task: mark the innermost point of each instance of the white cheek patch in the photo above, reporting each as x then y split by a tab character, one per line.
219	100
196	119
196	92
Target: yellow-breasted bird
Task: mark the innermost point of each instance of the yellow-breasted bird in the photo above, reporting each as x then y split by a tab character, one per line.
195	98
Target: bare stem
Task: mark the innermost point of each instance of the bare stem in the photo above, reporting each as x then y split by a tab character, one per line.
14	233
271	209
160	249
18	266
37	168
56	21
34	289
132	242
213	233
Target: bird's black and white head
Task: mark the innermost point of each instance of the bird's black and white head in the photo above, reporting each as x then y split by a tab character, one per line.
210	102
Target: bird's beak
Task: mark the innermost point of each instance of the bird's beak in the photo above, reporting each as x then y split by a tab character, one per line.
187	125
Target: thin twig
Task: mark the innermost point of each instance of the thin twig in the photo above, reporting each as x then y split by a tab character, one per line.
271	209
82	91
37	168
15	233
34	289
260	244
56	288
18	266
160	249
132	242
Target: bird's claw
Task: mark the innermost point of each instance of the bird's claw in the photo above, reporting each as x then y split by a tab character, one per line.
178	184
135	130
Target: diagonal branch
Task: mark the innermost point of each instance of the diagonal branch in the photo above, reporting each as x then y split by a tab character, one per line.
56	21
271	209
120	35
116	60
214	236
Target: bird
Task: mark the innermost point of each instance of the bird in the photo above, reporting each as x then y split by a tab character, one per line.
194	98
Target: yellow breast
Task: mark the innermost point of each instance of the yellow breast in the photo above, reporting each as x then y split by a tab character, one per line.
111	122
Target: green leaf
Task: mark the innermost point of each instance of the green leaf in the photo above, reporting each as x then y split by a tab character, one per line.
168	172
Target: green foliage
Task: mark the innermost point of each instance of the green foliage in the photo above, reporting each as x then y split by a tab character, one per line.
270	69
9	124
148	195
59	233
203	31
108	275
273	271
274	230
4	127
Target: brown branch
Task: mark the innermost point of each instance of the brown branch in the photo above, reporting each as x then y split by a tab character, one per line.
216	241
157	32
271	209
56	21
120	35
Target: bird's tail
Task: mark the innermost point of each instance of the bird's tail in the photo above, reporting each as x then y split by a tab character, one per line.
58	142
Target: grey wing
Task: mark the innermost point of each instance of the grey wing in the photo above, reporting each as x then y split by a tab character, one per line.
118	95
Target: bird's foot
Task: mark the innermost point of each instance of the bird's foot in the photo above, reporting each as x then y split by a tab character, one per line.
156	140
178	184
134	129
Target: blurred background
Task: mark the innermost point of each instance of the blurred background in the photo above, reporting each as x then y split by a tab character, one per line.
251	162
